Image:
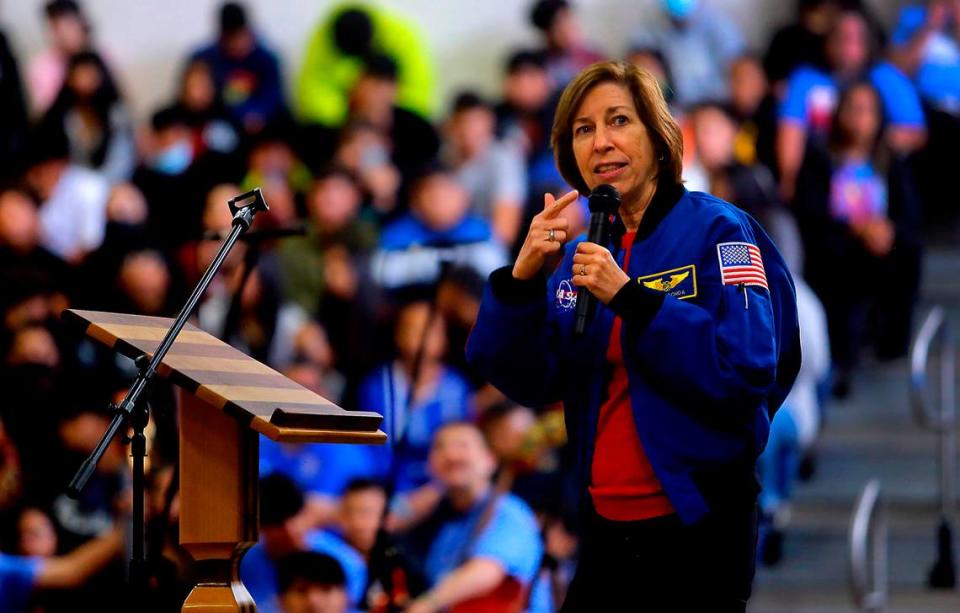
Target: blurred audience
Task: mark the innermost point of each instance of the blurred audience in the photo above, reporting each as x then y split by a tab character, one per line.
363	281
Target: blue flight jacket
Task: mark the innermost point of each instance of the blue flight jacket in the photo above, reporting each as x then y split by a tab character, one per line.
708	363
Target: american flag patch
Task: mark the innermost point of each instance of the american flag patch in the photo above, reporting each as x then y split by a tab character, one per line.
741	263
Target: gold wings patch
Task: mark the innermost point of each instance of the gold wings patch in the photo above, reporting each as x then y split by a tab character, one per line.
677	282
666	286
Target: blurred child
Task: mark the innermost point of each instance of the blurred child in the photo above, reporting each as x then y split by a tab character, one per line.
438	229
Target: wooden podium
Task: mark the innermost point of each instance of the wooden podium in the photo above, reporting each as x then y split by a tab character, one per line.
226	399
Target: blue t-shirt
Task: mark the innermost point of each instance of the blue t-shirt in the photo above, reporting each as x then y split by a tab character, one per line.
411	433
938	76
812	96
321	468
18	575
259	572
511	538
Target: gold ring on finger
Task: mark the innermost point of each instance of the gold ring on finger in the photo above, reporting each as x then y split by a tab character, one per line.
583	270
551	235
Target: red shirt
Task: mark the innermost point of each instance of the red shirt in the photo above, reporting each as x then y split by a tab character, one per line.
622	482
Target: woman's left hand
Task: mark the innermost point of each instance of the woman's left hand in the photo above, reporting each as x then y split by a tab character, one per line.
595	269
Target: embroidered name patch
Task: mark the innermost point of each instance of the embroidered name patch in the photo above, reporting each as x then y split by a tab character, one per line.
677	282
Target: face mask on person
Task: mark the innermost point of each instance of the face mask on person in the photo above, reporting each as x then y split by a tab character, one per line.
174	159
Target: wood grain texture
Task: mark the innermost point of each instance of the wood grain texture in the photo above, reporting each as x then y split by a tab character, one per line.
226	378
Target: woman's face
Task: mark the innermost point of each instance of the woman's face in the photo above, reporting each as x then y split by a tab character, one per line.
859	116
611	144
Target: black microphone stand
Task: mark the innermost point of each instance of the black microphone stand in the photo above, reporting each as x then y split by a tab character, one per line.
132	410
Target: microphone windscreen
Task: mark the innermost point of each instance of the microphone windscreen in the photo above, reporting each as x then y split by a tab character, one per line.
604	199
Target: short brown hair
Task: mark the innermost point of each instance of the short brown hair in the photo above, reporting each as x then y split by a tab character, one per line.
651	107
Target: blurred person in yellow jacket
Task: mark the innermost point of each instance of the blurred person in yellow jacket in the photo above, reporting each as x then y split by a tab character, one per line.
336	58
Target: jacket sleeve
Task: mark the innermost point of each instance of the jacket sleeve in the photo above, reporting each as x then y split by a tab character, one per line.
510	345
701	359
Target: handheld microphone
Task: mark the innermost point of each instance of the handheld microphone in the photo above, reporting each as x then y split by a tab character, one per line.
604	202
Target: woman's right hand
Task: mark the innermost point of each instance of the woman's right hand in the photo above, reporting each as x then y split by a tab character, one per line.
545	238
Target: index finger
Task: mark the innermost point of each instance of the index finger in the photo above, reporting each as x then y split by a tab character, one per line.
560	204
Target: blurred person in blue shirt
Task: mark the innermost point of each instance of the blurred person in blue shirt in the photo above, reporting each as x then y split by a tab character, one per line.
21	577
413	416
438	229
811	97
480	548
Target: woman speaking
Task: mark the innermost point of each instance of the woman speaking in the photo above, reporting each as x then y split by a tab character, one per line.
669	390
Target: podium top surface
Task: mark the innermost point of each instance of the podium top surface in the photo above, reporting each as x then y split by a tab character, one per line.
232	381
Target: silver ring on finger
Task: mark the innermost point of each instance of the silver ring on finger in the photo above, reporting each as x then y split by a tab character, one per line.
583	270
551	235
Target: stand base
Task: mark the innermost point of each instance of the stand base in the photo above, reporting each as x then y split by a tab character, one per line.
219	598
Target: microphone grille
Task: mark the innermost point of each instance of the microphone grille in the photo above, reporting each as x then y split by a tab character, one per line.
604	198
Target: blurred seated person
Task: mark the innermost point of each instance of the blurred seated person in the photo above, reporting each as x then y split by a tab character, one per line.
204	111
21	254
70	33
143	285
492	172
812	92
91	114
73	200
480	548
245	72
23	577
285	530
750	186
373	100
364	151
125	232
438	229
755	108
272	157
698	44
175	182
415	398
651	60
857	207
525	115
310	583
336	229
326	272
564	46
336	55
379	577
799	43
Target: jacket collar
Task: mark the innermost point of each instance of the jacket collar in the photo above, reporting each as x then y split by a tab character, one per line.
664	199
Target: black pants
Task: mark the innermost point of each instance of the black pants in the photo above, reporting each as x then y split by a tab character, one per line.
661	564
